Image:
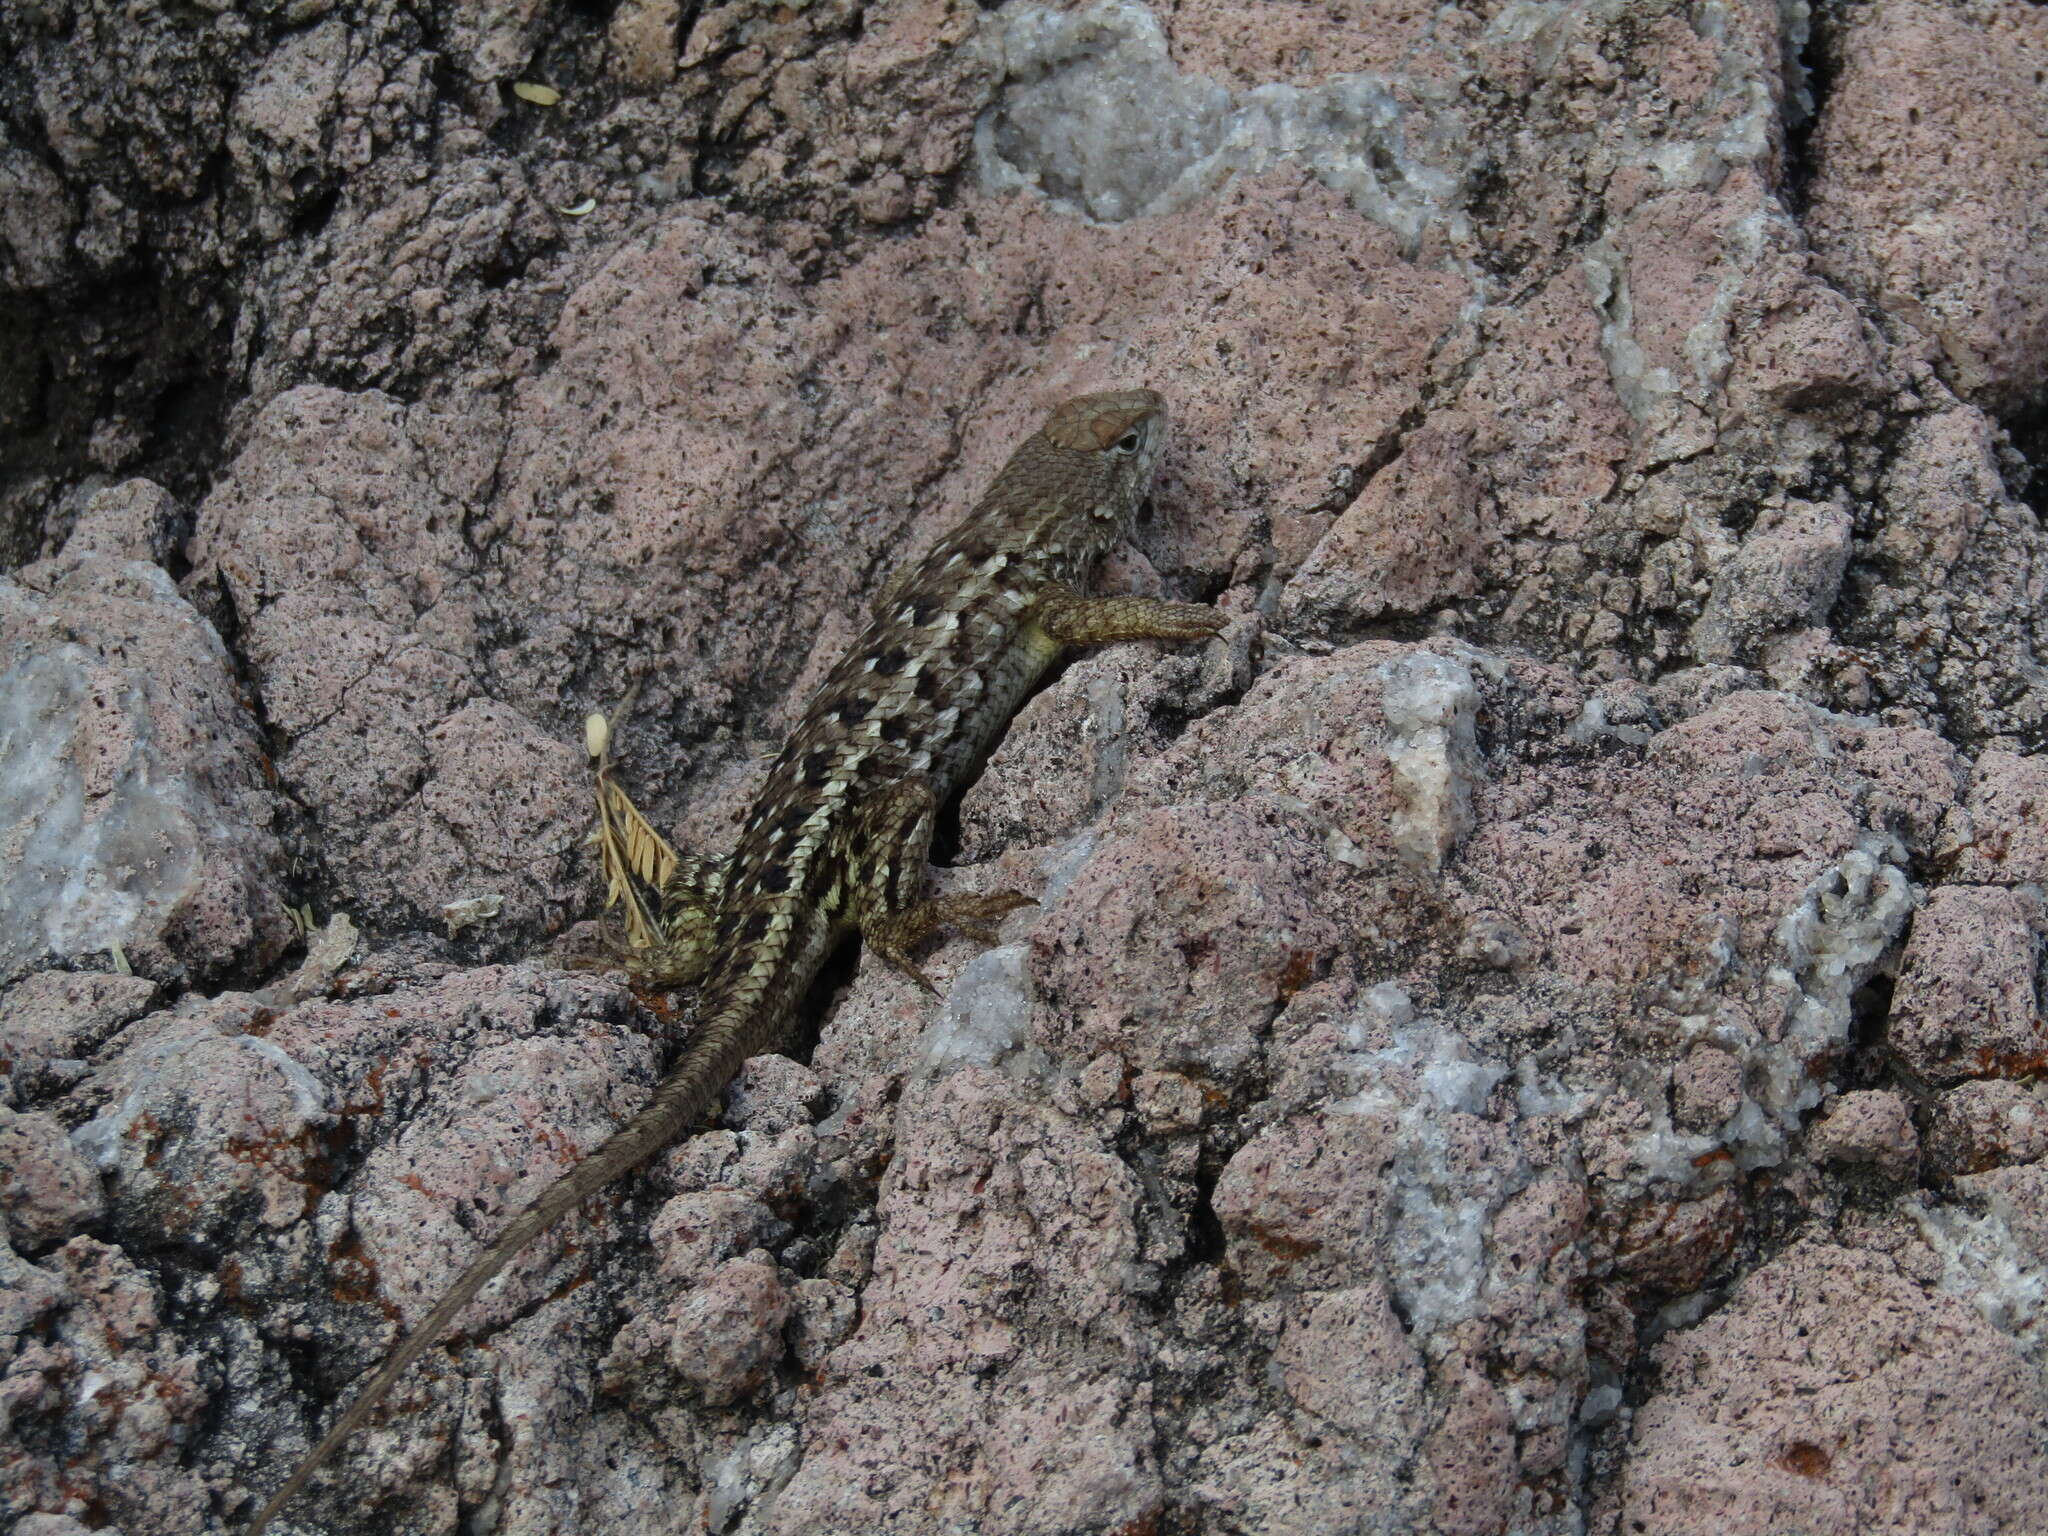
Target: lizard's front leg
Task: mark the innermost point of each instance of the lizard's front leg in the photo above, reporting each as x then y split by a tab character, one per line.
886	845
1073	619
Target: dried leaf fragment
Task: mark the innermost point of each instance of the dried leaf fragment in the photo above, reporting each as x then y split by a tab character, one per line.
635	858
471	912
329	951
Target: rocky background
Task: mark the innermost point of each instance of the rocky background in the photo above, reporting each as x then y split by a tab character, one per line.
1538	1029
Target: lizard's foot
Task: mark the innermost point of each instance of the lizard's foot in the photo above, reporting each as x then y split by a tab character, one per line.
974	917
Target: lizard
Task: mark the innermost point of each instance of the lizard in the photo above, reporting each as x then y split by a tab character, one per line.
837	841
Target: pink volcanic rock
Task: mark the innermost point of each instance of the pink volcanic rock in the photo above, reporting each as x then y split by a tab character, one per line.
1669	1248
544	1076
47	1190
642	35
1167	1100
621	484
1928	147
1707	1088
1916	776
341	546
135	520
49	1525
1404	1026
406	279
1309	740
1873	1127
1548	430
134	808
1824	1397
1672	272
1005	1224
1346	1358
1012	1241
454	1098
282	120
1967	1003
825	1313
618	506
1294	42
2002	839
1077	746
698	1230
228	1113
201	1120
1206	919
1304	1200
1725	806
1810	347
1469	1453
37	219
1414	541
104	1402
772	1095
1960	556
1786	573
2018	1199
1946	481
1981	1124
52	1020
1620	885
727	1331
503	807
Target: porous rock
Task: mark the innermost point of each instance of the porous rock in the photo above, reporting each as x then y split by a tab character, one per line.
1478	1011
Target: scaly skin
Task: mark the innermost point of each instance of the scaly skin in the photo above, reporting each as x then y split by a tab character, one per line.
837	841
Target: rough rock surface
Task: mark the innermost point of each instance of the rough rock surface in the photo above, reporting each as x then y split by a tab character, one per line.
134	816
1822	1398
1537	1028
1976	284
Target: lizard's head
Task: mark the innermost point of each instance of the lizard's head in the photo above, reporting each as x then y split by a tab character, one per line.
1105	448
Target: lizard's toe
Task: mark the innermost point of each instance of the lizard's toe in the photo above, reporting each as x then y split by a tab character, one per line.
977	916
902	962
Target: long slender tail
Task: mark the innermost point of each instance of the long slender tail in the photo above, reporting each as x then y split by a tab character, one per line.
680	1101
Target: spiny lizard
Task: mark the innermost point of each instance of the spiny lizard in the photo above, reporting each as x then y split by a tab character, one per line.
836	843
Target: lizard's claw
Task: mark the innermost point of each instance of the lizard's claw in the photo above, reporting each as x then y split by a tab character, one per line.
903	963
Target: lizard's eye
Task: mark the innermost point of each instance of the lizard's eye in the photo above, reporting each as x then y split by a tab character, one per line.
1128	443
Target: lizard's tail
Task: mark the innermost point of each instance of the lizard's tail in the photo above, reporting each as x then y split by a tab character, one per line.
680	1101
